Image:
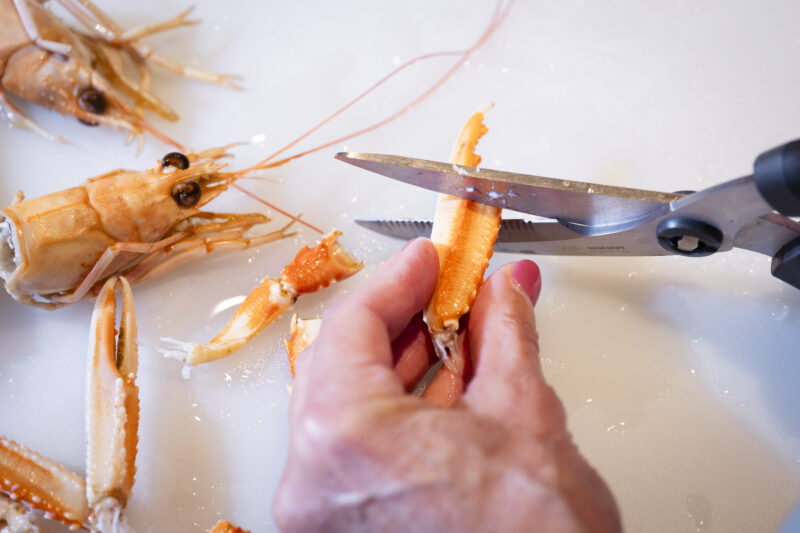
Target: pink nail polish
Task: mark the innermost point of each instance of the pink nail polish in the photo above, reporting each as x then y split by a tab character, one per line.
527	276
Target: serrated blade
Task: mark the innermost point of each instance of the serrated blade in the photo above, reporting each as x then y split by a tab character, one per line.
539	237
515	236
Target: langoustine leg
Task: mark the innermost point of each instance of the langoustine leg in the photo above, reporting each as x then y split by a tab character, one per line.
42	484
311	270
15	517
112	417
223	526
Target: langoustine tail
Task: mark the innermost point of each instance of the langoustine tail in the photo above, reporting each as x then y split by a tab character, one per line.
464	233
312	269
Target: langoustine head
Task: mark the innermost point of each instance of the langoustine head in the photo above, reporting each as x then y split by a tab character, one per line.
146	206
83	83
51	246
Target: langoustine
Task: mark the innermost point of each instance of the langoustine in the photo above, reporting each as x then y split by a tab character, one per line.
223	526
311	270
464	233
84	74
15	517
58	248
112	420
302	332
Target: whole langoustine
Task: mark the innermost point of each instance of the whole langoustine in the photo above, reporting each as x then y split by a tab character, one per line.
84	74
57	248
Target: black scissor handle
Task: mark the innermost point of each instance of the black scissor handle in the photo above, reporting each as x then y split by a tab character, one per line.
776	173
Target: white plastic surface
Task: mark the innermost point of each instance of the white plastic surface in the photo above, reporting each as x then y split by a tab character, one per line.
679	376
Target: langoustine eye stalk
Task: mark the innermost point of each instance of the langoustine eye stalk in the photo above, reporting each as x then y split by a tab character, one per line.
464	233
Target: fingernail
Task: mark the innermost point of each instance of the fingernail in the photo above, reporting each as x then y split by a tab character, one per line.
528	278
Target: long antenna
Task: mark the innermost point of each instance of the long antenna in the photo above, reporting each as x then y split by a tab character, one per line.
500	13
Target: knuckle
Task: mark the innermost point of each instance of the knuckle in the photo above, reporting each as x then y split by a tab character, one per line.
520	328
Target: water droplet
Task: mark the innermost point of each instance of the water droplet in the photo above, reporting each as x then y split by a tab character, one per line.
699	508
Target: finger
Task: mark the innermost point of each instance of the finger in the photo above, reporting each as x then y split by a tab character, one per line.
508	381
401	287
412	352
353	350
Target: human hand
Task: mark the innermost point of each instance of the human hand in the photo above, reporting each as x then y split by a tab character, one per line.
367	456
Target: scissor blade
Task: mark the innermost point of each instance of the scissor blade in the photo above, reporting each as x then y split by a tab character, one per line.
589	208
515	236
531	237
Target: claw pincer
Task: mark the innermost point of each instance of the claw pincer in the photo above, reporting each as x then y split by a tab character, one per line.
112	407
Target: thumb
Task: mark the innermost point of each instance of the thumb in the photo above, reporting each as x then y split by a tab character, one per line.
508	381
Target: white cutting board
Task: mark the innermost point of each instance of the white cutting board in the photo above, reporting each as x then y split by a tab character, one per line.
679	375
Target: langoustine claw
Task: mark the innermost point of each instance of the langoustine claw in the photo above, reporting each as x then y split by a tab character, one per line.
42	484
311	270
112	420
112	409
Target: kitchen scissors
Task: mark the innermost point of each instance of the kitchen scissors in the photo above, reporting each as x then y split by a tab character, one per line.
753	212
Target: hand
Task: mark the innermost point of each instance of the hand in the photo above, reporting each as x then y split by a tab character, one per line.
367	456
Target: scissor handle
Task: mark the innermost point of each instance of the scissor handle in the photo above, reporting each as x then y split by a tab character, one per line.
786	263
776	173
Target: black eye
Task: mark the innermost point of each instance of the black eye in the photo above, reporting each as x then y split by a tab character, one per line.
186	193
93	101
174	160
